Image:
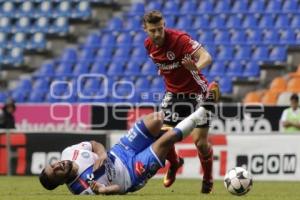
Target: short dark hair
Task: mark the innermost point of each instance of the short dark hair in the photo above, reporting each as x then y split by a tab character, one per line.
295	97
46	181
152	17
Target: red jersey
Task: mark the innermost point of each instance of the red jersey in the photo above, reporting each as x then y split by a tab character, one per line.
168	58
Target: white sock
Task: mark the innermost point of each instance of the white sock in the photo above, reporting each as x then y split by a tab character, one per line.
186	126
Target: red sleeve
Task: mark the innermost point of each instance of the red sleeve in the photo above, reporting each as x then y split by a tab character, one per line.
147	44
189	46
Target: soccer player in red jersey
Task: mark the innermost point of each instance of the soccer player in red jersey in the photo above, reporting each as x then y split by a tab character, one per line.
180	59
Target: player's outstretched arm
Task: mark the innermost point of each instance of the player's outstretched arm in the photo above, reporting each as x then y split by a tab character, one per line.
100	150
199	60
106	190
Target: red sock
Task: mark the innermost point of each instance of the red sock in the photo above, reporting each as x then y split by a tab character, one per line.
207	164
172	156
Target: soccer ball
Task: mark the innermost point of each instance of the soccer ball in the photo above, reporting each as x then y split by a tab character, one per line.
238	181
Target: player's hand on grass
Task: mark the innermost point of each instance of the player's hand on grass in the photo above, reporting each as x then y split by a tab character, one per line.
97	188
189	63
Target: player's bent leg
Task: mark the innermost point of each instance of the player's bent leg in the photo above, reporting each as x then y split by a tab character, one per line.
205	153
175	162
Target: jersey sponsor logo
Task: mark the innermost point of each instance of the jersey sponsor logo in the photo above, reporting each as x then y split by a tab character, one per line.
85	154
168	66
170	55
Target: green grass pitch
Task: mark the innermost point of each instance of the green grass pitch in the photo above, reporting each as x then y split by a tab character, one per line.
17	188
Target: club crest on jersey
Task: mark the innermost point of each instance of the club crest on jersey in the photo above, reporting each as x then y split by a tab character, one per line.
85	154
170	55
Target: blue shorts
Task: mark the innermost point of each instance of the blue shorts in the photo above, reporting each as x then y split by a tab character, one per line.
135	151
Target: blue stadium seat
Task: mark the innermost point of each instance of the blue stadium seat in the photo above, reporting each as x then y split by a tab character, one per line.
251	69
266	21
122	52
41	84
142	84
25	85
243	53
16	56
201	22
26	9
240	6
47	69
116	68
82	10
64	69
184	23
295	23
278	54
137	9
234	21
188	7
60	26
217	69
255	36
273	6
261	53
290	6
149	68
81	68
19	96
225	85
226	52
271	37
257	6
69	55
170	7
37	41
139	52
108	40
218	21
235	69
115	24
157	84
41	25
8	9
23	25
19	40
133	24
222	37
222	6
212	49
238	37
105	52
154	5
3	39
98	68
45	9
282	21
250	21
170	20
63	9
206	37
139	38
3	97
36	97
86	54
91	84
93	41
288	37
124	39
132	68
5	25
206	7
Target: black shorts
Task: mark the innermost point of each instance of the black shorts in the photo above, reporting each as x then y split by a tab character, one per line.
178	106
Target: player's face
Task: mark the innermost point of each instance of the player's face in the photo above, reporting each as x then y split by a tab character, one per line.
156	32
61	171
294	104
